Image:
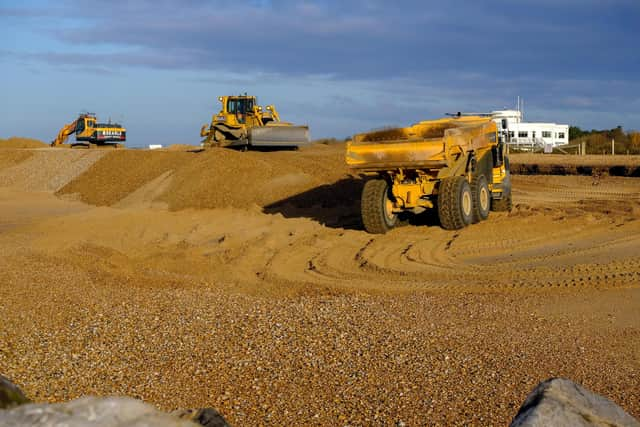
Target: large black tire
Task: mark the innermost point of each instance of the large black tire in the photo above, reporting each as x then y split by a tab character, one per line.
481	198
376	205
455	203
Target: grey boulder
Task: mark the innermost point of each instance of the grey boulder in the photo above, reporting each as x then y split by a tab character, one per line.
91	411
560	402
10	394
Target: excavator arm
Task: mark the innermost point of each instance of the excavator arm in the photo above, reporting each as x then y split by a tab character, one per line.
64	133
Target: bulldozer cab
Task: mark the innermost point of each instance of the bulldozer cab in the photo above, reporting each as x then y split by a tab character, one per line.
242	107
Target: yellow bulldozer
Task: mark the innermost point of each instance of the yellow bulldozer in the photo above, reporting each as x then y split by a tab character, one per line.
457	165
89	133
243	124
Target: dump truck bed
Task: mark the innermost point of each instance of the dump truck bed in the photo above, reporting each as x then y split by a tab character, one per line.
425	145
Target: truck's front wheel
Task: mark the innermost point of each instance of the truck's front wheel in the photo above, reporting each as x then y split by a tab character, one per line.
455	203
377	207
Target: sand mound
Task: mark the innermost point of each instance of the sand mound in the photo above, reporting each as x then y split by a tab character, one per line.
120	173
47	170
182	147
9	158
221	178
18	142
213	178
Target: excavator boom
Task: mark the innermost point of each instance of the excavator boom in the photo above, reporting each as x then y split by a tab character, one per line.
64	133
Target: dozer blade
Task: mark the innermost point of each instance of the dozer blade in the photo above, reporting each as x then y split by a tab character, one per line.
279	136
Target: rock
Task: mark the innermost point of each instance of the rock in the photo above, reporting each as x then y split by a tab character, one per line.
207	417
10	394
560	402
91	411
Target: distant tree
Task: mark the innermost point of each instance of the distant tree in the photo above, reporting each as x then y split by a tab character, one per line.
575	132
618	134
634	140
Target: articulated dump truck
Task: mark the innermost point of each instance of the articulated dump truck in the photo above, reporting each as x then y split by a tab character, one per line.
456	165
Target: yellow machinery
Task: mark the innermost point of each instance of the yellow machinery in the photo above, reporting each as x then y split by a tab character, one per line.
456	165
242	123
91	133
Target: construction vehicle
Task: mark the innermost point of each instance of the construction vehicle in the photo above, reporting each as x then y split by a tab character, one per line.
89	133
242	123
456	165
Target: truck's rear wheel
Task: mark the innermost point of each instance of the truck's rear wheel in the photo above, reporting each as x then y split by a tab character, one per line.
481	198
377	207
455	203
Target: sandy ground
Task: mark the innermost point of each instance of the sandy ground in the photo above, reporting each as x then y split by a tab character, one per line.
562	159
243	281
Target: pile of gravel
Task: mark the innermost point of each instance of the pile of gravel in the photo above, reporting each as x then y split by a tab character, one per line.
49	170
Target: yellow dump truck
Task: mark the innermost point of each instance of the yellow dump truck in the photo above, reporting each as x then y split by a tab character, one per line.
456	165
242	123
90	133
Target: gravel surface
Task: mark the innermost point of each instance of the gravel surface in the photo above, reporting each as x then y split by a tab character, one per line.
332	359
285	321
10	158
49	169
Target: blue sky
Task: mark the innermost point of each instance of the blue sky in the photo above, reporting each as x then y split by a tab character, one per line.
340	66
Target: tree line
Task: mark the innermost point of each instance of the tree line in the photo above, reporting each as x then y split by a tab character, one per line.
599	141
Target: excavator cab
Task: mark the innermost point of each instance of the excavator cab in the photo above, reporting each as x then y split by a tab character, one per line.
85	126
81	126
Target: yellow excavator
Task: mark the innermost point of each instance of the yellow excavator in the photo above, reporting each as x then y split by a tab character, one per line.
242	123
89	133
